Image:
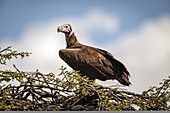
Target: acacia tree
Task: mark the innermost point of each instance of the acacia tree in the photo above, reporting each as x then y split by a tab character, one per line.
38	91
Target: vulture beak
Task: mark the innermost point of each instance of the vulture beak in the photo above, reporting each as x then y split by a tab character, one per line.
59	29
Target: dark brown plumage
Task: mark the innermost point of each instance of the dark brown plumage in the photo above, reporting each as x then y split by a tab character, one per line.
92	62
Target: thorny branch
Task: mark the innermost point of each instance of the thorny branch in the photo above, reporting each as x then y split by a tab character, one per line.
7	54
37	91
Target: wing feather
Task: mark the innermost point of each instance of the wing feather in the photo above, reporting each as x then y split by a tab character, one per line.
119	69
95	63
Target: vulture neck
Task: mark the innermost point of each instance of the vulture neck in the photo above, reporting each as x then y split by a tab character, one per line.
71	40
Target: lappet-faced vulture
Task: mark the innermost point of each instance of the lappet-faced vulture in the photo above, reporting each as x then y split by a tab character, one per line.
92	62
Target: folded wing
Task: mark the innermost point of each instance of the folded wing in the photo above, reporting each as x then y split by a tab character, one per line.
95	63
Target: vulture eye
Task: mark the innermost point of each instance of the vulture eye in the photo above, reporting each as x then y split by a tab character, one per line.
66	26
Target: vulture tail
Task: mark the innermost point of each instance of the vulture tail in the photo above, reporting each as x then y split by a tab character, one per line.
124	80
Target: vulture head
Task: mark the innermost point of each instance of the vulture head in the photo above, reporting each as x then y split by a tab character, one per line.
66	28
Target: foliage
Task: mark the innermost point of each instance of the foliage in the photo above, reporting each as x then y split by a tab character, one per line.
37	91
7	54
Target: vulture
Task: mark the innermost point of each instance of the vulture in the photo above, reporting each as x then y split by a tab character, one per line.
93	62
